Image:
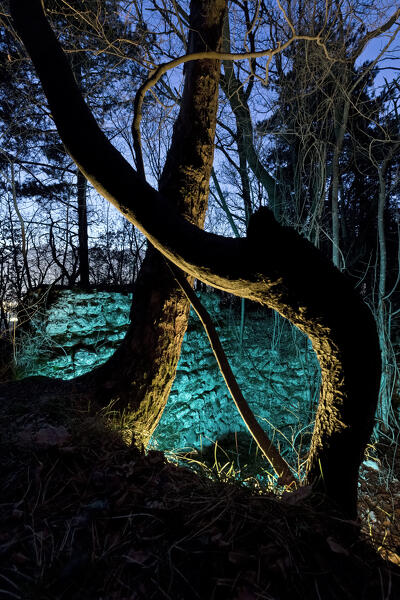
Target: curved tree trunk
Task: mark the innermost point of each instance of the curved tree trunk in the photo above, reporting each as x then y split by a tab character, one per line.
266	446
273	265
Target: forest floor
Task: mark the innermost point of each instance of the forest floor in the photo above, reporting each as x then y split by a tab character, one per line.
84	515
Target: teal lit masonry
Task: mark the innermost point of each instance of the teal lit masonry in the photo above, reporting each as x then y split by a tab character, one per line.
275	366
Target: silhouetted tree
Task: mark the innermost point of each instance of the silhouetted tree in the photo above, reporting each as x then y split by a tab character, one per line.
273	265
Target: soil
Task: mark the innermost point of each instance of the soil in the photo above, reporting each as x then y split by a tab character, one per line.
86	515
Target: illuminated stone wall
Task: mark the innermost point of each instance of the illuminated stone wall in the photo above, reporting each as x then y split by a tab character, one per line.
275	366
279	377
77	332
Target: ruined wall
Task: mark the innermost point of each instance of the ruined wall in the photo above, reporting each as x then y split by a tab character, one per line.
275	365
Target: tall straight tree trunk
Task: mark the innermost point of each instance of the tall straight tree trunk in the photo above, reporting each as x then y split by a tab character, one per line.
340	129
81	189
83	250
382	310
238	100
335	208
319	189
381	316
233	90
24	248
141	372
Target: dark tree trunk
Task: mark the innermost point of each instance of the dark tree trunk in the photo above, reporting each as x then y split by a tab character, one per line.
141	372
83	249
273	265
81	188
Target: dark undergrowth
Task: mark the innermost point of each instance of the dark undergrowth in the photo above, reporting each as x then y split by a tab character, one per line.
84	515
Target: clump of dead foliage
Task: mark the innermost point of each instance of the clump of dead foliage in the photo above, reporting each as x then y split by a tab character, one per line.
84	515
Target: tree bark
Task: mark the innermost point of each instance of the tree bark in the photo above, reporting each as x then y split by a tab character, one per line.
273	265
385	411
141	372
233	90
83	249
81	189
238	100
341	118
24	245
